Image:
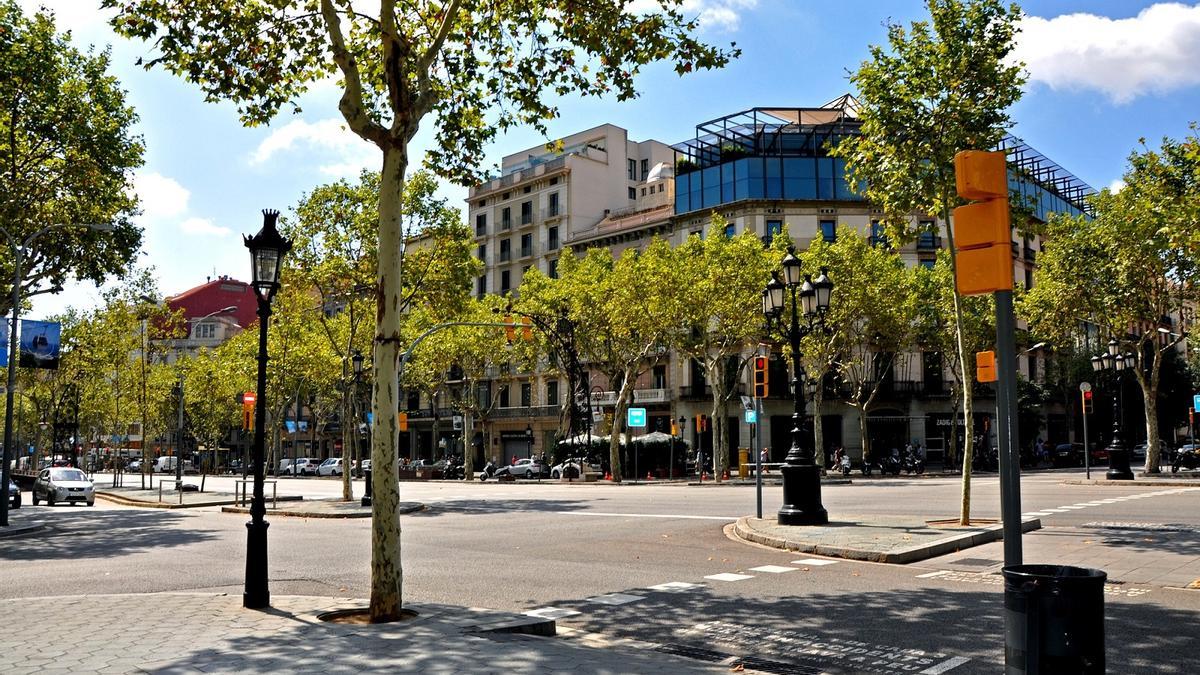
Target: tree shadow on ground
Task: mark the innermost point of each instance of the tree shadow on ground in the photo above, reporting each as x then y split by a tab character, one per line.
77	532
1185	540
500	506
941	622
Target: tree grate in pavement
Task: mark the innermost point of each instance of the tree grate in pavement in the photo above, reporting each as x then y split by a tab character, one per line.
748	662
975	562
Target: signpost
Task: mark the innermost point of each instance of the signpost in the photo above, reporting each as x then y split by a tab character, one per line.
635	417
1084	388
751	417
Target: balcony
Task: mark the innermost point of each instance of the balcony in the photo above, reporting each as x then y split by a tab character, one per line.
928	241
552	213
1030	254
639	396
695	392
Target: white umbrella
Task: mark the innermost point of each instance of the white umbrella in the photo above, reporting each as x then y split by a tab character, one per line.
655	437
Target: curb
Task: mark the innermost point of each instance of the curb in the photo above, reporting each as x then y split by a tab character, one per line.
898	557
18	531
126	501
404	508
1148	482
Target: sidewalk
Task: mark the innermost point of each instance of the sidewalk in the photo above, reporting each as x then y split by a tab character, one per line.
886	539
324	508
212	633
134	496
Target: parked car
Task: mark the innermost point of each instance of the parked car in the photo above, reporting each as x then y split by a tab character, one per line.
528	468
330	467
58	484
285	467
14	495
1067	454
1138	453
570	467
303	466
364	465
167	465
135	465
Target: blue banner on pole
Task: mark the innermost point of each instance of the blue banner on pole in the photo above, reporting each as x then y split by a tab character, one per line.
40	341
4	337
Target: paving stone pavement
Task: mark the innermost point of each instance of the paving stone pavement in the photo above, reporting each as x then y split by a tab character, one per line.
325	508
173	633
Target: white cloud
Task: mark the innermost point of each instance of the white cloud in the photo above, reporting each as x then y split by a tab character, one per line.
1117	185
204	226
347	152
160	197
720	15
1153	52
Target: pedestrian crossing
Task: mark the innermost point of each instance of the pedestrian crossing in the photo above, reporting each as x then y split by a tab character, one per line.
1067	508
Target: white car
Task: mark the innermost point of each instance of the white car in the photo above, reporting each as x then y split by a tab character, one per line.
528	468
330	467
304	466
561	469
63	484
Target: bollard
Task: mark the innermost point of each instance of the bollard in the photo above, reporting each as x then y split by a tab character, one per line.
366	498
1053	620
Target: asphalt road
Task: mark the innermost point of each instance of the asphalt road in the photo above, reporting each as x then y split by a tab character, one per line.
551	547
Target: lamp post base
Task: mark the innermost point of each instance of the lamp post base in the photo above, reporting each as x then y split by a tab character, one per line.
1118	464
256	594
802	496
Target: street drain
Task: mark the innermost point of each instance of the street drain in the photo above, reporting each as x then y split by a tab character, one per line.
975	562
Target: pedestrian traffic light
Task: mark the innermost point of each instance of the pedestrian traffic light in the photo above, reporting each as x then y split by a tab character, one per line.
760	377
402	420
982	230
1087	402
674	428
985	366
248	399
510	330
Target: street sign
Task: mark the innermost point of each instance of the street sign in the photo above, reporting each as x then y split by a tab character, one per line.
747	403
1196	401
635	417
1085	386
458	422
751	417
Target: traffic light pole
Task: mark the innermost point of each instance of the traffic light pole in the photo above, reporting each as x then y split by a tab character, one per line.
1087	463
1007	428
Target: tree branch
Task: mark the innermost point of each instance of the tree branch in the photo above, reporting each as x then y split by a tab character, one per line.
351	103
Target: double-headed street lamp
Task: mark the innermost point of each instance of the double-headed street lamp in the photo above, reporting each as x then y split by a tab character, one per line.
267	249
357	360
1118	454
810	297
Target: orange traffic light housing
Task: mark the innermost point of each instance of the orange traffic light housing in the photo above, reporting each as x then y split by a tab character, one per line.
402	420
985	366
982	230
761	386
510	329
526	329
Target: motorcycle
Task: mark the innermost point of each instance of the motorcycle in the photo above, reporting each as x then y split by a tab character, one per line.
453	470
914	464
1185	458
892	464
489	470
845	465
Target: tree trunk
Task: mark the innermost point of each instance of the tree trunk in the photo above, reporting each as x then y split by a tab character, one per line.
1149	387
720	438
964	516
618	424
386	572
968	389
862	430
349	436
818	432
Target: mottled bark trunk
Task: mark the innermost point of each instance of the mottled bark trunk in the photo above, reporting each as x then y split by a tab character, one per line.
349	437
965	368
720	436
386	572
818	432
618	424
1148	382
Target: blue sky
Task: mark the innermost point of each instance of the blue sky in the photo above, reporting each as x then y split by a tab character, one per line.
1103	74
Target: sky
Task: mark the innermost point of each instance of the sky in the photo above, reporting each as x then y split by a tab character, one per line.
1102	75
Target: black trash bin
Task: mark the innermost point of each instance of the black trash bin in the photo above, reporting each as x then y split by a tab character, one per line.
1053	620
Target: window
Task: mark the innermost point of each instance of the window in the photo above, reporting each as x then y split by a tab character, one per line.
878	234
1028	279
552	392
774	229
730	230
645	168
554	181
482	203
482	253
505	250
632	192
643	192
927	263
482	287
526	394
526	213
552	238
526	245
828	229
505	281
631	173
480	224
414	400
527	189
506	218
1032	360
553	272
504	196
659	377
697	233
552	205
504	396
205	331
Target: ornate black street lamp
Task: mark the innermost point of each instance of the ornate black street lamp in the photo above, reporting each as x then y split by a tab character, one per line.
1118	454
267	249
357	360
810	298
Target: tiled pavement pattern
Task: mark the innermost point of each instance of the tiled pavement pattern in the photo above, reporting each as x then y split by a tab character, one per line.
211	633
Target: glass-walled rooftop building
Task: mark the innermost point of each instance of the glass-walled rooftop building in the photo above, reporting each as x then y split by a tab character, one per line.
783	154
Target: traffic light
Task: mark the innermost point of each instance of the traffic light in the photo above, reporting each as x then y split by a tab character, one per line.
760	377
526	329
1087	402
983	229
402	420
985	366
510	330
674	428
247	410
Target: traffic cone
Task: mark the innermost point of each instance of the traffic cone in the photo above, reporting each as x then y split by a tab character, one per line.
608	476
725	476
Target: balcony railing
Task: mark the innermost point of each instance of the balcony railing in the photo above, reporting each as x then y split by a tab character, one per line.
928	241
639	396
695	392
1030	254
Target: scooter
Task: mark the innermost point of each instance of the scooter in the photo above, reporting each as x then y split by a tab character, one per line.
845	465
914	464
489	470
1186	459
892	465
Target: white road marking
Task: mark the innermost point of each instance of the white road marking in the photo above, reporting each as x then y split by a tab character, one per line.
1107	501
813	561
551	612
1036	513
944	666
616	599
644	515
729	576
675	587
1072	508
1055	510
1084	505
773	569
930	575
